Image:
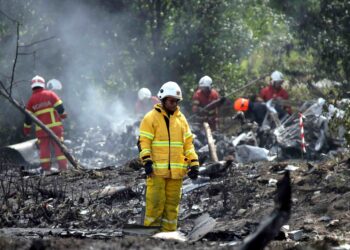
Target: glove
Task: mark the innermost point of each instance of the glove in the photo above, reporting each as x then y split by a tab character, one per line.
193	173
148	168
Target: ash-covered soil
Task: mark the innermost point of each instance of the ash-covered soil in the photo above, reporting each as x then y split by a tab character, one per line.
75	210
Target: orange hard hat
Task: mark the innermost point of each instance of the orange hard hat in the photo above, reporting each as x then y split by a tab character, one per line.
241	104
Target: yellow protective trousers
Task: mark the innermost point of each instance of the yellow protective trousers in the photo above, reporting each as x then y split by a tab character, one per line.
163	196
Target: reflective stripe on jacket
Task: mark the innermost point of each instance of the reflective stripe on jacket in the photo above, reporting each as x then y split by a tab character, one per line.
42	104
170	155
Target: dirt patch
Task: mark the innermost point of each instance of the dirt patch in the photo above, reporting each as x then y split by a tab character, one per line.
79	210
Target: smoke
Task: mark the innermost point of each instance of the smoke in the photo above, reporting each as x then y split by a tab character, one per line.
103	51
91	60
86	53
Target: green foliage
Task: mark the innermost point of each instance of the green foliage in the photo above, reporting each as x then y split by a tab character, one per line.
322	32
323	29
147	42
340	119
346	122
232	41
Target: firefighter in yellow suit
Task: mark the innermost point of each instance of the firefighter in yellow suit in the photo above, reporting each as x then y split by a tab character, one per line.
168	154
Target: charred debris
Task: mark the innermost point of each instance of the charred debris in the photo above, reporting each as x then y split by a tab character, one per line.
229	205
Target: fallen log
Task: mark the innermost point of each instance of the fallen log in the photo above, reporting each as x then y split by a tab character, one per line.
52	135
211	142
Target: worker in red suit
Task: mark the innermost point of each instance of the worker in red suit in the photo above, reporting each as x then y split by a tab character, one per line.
48	108
275	90
203	96
145	101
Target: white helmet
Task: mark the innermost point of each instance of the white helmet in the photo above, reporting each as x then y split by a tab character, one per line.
38	81
276	76
144	93
170	89
54	84
205	81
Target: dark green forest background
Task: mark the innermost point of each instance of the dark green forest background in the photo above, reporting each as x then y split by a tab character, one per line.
104	50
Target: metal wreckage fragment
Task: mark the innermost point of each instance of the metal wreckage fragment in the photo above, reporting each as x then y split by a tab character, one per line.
94	148
97	148
24	153
282	138
270	227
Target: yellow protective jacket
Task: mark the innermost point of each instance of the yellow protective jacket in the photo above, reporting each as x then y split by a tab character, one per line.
167	141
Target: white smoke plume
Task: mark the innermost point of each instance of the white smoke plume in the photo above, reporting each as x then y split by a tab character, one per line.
85	54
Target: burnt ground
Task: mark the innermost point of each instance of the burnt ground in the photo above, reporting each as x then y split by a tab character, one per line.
73	210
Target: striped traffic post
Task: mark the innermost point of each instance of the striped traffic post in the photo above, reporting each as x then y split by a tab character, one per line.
302	136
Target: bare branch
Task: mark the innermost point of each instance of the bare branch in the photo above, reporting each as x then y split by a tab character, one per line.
8	95
4	87
19	81
10	18
6	76
15	61
27	53
36	42
15	84
52	135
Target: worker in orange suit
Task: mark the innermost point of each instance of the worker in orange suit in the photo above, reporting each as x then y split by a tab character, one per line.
48	108
203	96
275	90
